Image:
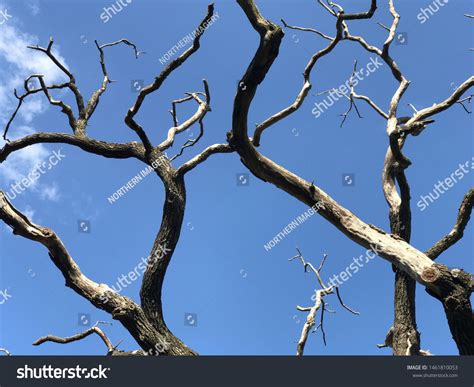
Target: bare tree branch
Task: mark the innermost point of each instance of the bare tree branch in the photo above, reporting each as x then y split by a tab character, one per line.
102	148
305	88
342	303
441	282
72	80
371	104
94	100
145	323
111	349
66	109
352	103
464	214
101	296
204	155
203	108
65	340
411	126
144	92
318	304
308	264
307	30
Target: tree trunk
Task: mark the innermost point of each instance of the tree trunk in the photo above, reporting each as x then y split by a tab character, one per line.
455	297
406	338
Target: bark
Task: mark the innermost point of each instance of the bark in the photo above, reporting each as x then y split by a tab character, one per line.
405	336
390	247
455	296
101	296
163	247
146	322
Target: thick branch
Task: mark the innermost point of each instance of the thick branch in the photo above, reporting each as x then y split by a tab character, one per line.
102	148
101	296
394	249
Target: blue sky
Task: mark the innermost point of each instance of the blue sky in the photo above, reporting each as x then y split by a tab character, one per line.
244	296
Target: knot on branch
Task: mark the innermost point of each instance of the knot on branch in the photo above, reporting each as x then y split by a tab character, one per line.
430	274
401	164
47	232
449	286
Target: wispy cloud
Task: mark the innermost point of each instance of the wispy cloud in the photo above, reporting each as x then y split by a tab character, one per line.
20	163
17	62
17	59
33	6
50	192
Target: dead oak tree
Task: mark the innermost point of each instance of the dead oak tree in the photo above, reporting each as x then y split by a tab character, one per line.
145	322
451	287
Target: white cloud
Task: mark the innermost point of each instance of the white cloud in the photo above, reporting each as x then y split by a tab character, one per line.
13	49
20	163
17	62
17	59
49	192
33	7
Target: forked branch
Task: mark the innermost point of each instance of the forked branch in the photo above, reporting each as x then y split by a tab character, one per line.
320	303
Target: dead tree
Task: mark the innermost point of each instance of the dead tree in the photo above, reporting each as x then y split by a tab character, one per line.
319	303
145	322
451	287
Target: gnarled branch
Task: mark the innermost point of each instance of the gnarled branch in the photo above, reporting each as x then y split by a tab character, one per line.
439	280
101	296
